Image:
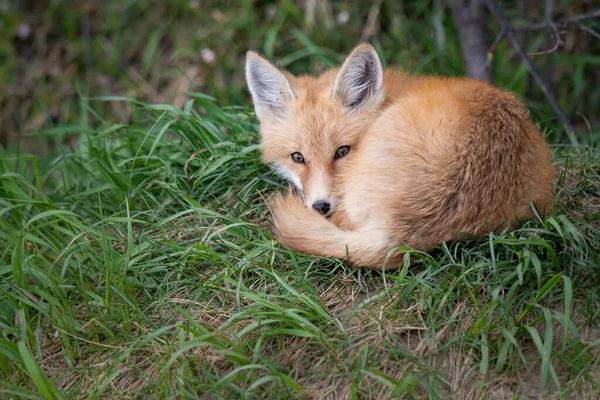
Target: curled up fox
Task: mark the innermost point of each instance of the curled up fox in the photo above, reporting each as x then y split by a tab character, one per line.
381	158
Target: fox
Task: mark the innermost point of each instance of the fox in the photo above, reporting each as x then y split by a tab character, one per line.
380	158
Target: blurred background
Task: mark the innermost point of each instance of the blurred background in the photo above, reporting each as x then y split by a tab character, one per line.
57	56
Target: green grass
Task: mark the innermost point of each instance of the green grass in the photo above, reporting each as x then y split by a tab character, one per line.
140	264
136	260
152	50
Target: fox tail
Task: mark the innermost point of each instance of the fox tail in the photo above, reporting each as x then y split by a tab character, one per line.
306	231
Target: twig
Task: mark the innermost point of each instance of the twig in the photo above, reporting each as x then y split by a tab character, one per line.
494	46
510	34
560	22
548	16
550	23
371	21
589	30
577	18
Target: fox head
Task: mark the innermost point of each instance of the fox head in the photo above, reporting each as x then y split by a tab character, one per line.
311	126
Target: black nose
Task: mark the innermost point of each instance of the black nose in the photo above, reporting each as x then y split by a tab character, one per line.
322	207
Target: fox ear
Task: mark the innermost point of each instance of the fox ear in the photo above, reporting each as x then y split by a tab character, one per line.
359	83
270	88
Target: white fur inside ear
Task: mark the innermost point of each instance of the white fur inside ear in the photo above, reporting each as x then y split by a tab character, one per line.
271	90
360	79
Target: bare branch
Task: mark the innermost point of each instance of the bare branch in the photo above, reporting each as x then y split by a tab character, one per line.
589	30
494	46
510	34
548	16
554	25
578	18
371	21
560	22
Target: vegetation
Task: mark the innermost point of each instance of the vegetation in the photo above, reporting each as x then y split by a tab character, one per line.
136	259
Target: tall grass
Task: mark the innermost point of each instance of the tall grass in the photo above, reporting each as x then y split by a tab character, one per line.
136	259
141	264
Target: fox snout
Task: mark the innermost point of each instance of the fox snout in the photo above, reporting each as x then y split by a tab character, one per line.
324	207
318	196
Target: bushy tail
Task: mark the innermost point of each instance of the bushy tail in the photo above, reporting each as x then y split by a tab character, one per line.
305	230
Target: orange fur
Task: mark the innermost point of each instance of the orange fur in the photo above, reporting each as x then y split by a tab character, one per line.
433	158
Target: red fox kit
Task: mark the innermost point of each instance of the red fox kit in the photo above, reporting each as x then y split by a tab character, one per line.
381	158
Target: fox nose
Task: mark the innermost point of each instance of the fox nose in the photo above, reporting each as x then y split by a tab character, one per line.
322	207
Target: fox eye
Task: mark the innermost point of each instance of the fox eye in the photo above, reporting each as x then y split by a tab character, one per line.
342	152
297	158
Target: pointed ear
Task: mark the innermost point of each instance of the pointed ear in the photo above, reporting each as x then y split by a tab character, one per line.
359	83
270	88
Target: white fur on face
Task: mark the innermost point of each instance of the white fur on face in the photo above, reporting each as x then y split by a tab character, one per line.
284	172
319	190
